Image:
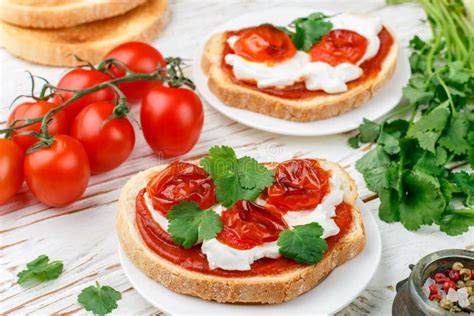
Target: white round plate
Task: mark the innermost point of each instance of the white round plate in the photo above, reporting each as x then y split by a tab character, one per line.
384	100
338	290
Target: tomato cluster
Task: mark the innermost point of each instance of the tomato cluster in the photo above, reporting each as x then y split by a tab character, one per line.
88	135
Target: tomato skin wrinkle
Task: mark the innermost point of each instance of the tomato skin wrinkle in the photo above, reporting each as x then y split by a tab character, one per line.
339	46
247	225
181	181
171	120
264	43
300	184
30	110
109	145
80	79
139	57
58	175
11	169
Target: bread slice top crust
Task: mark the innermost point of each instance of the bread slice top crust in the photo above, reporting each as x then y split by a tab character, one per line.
302	110
89	41
61	13
274	288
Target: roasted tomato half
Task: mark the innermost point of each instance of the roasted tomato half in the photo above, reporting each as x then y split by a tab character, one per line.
300	184
264	43
181	181
339	46
247	225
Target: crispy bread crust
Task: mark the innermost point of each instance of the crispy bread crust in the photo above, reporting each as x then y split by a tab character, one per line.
61	13
303	110
262	289
89	41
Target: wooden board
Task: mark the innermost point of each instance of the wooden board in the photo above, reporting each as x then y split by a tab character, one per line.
83	234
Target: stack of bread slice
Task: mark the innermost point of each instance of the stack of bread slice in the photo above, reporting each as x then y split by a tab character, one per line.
52	32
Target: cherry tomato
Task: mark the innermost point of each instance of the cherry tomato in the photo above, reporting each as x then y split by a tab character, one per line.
11	169
264	43
339	46
181	181
247	225
107	146
171	120
300	184
139	57
80	79
29	110
58	175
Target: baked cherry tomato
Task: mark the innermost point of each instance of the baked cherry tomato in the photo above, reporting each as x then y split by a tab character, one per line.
300	184
29	110
139	57
171	120
339	46
247	225
181	181
58	175
80	79
264	43
11	169
107	146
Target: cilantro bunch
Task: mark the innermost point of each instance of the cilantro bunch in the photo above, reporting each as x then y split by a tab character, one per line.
411	166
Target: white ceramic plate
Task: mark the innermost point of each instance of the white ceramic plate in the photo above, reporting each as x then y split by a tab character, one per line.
384	100
338	290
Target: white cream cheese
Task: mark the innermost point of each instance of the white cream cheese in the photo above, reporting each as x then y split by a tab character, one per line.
156	215
325	211
222	256
316	75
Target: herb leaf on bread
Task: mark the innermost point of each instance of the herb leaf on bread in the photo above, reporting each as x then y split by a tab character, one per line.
189	223
236	178
303	243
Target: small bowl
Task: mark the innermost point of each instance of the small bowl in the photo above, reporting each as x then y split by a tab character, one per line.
410	297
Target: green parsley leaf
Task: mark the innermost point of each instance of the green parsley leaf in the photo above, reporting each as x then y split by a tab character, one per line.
188	224
369	131
99	299
456	222
422	202
40	270
309	30
455	138
303	243
236	178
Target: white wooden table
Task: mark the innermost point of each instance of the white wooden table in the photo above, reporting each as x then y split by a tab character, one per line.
83	233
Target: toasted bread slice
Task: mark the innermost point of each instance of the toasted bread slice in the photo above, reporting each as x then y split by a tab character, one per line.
61	13
89	41
263	289
302	110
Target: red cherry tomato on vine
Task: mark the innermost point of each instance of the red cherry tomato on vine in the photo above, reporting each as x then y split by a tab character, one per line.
58	174
171	120
80	79
339	46
264	43
29	110
107	146
139	57
11	169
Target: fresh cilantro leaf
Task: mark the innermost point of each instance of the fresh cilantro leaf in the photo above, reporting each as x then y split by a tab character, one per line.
389	205
99	299
417	43
188	224
389	143
455	138
303	243
369	131
422	202
373	167
428	164
456	222
416	95
465	182
40	270
309	30
236	179
354	141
